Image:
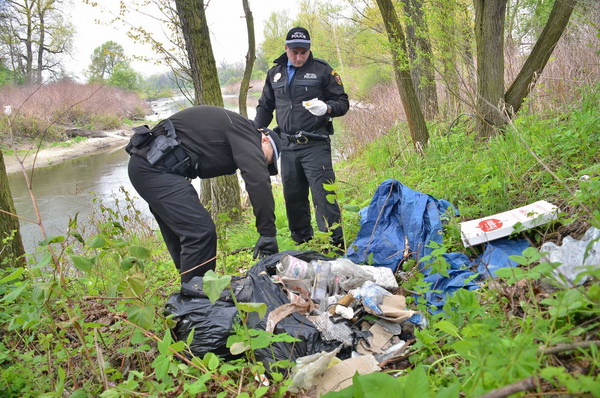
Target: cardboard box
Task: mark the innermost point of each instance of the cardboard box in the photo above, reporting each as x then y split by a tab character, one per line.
500	225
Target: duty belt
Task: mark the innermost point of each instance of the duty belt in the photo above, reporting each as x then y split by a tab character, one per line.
303	137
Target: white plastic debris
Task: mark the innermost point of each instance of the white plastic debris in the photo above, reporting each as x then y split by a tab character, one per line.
574	255
309	367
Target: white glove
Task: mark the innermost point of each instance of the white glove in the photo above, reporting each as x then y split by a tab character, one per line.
315	106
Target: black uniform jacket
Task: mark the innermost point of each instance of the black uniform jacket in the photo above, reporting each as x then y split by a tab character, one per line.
315	79
220	142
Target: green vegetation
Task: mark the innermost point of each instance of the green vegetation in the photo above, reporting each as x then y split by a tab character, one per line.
86	317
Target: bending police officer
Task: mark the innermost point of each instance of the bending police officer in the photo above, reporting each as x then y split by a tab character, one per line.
202	141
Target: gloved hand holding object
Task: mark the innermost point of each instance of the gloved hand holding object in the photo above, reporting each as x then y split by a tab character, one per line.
315	106
265	246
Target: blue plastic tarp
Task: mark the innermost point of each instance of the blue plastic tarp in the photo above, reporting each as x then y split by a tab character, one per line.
401	223
398	220
497	254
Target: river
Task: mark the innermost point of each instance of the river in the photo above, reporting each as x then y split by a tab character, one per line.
75	186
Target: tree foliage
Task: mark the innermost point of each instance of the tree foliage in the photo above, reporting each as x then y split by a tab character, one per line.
34	35
124	76
104	60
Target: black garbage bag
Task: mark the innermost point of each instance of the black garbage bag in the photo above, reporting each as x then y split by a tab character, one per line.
213	323
296	325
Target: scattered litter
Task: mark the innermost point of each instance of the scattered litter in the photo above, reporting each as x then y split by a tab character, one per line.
347	314
500	225
334	331
575	256
310	366
307	297
340	376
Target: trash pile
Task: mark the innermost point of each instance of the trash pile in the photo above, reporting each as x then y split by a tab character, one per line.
351	314
338	309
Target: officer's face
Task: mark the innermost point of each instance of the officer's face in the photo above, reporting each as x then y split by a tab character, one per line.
267	149
297	56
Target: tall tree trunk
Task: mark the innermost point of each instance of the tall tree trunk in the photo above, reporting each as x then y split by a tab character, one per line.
522	85
410	102
489	36
40	49
250	58
203	68
11	252
420	54
220	195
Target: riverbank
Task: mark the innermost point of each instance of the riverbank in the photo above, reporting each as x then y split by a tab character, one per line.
57	154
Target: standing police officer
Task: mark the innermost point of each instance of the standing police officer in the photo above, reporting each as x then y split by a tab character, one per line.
202	141
306	93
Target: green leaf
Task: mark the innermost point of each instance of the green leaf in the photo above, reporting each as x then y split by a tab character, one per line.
80	239
16	274
79	394
213	285
197	387
161	365
143	316
51	239
260	391
511	274
190	337
82	263
452	391
352	208
260	308
213	361
178	346
372	385
519	259
128	263
446	326
13	295
417	383
43	290
164	344
139	252
98	242
136	284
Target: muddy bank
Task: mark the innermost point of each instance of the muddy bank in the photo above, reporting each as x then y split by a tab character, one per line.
50	156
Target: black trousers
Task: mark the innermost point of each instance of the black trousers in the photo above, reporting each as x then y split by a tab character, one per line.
304	169
186	226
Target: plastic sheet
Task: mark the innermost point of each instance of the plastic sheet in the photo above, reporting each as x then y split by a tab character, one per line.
497	255
399	223
574	256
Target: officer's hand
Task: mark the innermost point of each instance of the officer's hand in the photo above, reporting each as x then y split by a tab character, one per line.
315	106
265	246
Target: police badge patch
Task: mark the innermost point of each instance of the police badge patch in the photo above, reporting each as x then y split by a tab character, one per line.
338	79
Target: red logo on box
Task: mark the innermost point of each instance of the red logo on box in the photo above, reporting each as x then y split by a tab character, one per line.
491	224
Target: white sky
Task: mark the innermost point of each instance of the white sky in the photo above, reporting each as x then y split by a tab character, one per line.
228	30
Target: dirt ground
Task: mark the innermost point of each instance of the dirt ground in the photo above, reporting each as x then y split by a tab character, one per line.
57	154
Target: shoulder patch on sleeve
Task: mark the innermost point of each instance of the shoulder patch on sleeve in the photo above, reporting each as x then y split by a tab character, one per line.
337	77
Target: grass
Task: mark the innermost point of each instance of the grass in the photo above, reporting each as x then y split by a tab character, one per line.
87	318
